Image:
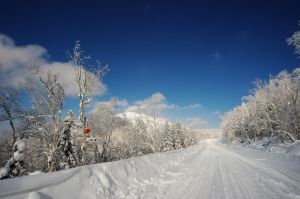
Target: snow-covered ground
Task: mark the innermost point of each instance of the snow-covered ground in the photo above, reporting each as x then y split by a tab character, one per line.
207	170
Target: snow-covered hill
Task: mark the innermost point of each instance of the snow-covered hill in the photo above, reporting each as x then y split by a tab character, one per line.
206	170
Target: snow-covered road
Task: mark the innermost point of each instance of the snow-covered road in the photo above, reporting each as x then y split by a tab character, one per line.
208	170
214	172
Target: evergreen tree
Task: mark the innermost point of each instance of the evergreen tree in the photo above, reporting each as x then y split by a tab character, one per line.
66	147
15	165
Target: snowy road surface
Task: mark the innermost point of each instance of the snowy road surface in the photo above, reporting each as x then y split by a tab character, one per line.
207	170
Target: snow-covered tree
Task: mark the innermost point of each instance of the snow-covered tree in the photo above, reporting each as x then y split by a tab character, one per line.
177	135
47	97
188	137
66	148
5	147
155	133
10	110
166	144
271	110
140	142
103	122
294	40
87	79
15	165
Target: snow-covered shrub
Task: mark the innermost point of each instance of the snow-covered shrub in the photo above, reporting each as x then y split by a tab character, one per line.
15	165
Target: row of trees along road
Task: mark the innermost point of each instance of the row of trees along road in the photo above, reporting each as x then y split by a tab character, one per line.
50	143
271	110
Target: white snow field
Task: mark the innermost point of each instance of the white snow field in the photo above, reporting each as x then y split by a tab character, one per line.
207	170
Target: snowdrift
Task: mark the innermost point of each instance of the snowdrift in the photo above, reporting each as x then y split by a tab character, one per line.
120	179
207	170
284	157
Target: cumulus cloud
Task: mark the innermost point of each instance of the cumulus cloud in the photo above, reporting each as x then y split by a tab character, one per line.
196	122
154	104
67	77
157	103
14	62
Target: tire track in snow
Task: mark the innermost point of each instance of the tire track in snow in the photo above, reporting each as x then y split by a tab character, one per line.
274	184
220	174
246	180
169	176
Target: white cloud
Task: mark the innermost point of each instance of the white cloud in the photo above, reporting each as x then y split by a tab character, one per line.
157	103
196	123
154	104
122	103
15	59
12	56
67	77
14	62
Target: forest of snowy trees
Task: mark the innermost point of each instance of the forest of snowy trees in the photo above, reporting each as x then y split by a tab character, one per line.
272	109
40	135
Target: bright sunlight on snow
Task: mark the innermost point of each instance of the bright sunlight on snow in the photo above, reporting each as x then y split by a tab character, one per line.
207	170
148	99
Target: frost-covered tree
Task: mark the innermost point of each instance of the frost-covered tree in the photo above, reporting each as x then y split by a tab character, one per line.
177	135
166	144
104	122
139	142
87	79
271	110
5	147
47	97
294	40
10	110
15	165
66	148
188	137
155	133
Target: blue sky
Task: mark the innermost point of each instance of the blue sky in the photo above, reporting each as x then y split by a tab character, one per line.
197	58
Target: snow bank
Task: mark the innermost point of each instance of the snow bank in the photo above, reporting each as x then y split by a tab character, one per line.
207	170
273	145
284	157
120	179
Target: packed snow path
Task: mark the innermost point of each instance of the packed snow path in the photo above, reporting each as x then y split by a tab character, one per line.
207	170
214	172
